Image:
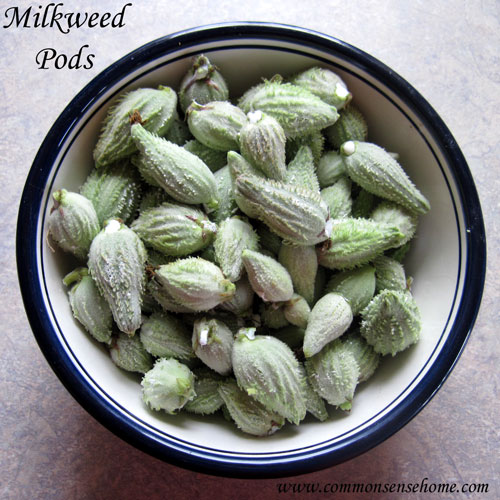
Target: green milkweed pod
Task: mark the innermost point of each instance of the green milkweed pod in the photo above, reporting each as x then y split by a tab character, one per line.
129	354
330	169
72	223
297	311
262	143
156	109
326	84
267	370
202	83
88	306
389	274
114	191
212	342
164	298
351	126
181	174
272	315
333	373
390	213
212	158
314	403
363	204
168	386
399	253
117	259
153	197
248	414
195	283
233	236
391	322
216	124
366	358
330	317
355	242
296	214
165	336
207	399
357	286
242	301
302	264
301	170
291	335
174	229
375	170
338	198
178	132
296	109
269	279
268	240
315	141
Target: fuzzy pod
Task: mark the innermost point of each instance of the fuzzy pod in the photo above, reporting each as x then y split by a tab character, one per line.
363	204
302	264
180	173
216	124
88	306
202	83
389	274
117	259
314	403
178	132
387	212
72	223
315	141
297	311
174	229
272	315
296	214
155	108
233	237
333	373
168	386
207	400
330	317
330	168
400	252
366	358
212	158
242	301
269	279
355	242
212	342
262	143
351	126
375	170
195	283
227	206
153	197
391	322
129	354
268	240
165	336
301	170
162	296
267	370
114	190
296	109
338	198
357	286
247	413
325	84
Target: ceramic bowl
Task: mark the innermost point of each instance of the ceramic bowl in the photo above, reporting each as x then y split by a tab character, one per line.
446	261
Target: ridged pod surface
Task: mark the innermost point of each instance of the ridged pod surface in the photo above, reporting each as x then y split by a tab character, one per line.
366	358
156	109
330	317
162	296
314	403
297	311
315	141
333	374
174	229
296	214
225	196
129	354
242	301
180	173
330	169
114	190
351	126
207	400
391	322
355	242
195	283
388	212
116	263
72	223
248	414
262	143
212	158
267	370
389	274
301	170
216	124
375	170
338	198
296	109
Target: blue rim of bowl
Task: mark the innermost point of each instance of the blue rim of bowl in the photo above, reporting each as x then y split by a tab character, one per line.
231	464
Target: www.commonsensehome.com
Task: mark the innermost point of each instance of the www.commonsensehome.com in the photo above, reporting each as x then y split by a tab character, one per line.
424	486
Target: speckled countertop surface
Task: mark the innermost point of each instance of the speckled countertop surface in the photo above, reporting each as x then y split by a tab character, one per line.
50	448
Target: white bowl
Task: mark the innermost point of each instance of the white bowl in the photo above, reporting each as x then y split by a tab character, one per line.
447	258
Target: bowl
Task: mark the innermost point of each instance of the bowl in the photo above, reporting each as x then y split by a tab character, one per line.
447	258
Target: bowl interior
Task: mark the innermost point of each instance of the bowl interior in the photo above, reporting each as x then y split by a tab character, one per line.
435	261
